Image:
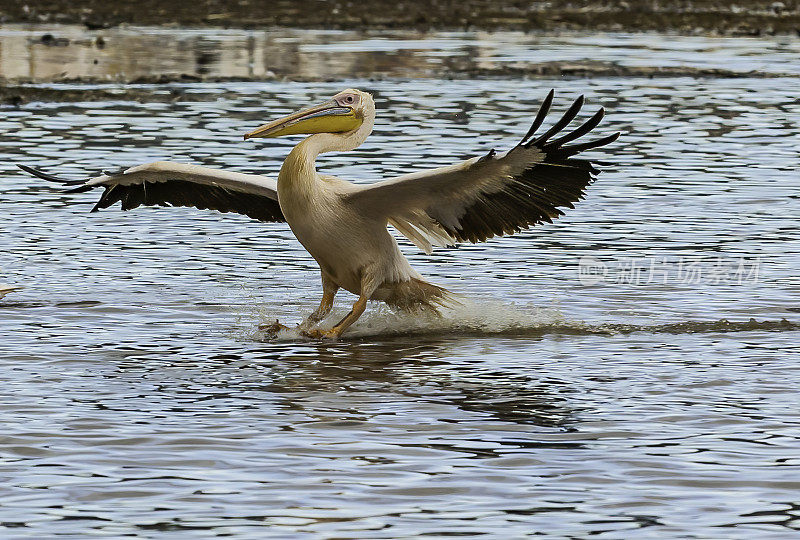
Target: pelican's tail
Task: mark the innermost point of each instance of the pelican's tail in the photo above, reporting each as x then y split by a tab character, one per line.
417	295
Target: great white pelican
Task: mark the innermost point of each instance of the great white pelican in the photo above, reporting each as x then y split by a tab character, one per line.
344	225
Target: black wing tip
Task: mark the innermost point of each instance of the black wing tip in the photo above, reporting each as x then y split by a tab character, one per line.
597	116
544	108
576	133
49	177
573	149
562	122
40	173
608	139
558	146
80	189
612	138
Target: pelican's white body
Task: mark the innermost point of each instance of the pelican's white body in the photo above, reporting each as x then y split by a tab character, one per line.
354	251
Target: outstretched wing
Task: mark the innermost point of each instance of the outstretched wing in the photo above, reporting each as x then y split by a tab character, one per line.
164	183
491	195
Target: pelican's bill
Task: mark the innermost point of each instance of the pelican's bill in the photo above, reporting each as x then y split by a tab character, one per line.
328	117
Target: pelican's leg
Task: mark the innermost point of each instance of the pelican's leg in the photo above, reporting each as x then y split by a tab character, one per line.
358	309
350	318
329	290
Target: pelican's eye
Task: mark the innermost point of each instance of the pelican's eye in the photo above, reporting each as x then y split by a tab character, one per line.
347	99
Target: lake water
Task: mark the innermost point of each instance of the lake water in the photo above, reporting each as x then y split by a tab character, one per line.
629	371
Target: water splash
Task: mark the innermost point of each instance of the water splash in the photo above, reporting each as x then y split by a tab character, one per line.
462	318
465	317
488	318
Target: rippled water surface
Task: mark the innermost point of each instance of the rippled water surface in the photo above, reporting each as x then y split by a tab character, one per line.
603	377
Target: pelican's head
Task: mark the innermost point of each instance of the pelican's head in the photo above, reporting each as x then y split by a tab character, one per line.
349	113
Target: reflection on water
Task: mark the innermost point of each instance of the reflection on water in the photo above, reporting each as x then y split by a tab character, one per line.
138	398
45	53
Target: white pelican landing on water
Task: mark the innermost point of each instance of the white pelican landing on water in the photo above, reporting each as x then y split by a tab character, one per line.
344	225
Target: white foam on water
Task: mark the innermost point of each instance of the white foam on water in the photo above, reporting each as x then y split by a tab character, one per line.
481	317
465	317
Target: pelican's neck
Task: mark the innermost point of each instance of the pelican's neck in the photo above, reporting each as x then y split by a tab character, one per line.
299	172
299	166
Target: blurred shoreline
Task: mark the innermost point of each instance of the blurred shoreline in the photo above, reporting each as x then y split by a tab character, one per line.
59	62
714	17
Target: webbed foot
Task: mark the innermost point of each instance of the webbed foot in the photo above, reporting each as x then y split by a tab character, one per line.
316	333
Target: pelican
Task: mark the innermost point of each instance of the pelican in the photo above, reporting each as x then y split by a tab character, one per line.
344	226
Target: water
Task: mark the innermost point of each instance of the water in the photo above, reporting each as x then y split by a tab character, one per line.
628	371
